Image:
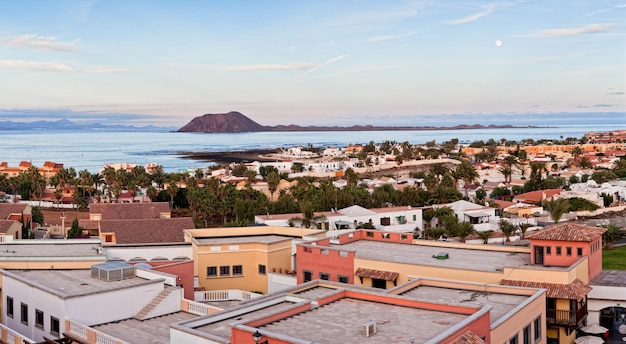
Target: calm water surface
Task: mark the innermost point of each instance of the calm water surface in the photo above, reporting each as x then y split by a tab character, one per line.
92	149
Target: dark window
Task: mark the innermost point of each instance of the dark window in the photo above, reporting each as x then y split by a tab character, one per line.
324	276
403	237
379	283
24	313
385	221
526	335
261	269
514	340
38	318
54	326
225	270
537	326
579	251
211	271
343	279
548	250
237	270
558	250
10	306
370	234
568	251
308	276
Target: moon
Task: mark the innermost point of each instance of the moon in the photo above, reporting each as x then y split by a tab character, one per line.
498	43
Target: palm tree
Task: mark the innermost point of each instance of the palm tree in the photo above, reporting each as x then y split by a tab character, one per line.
469	174
577	151
507	229
463	230
612	234
433	233
556	208
506	172
486	235
273	178
523	227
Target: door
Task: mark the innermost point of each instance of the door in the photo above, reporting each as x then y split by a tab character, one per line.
539	255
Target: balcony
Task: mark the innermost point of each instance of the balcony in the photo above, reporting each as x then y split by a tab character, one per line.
562	318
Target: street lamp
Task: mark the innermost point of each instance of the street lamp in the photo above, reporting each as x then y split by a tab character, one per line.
257	338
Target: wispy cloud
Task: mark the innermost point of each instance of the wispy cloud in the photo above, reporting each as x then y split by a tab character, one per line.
391	37
486	10
322	65
36	41
615	93
603	105
286	66
605	10
589	29
55	66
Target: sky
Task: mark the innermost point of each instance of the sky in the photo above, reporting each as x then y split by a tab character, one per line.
326	62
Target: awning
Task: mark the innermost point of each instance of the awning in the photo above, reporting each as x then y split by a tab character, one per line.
575	290
479	214
378	274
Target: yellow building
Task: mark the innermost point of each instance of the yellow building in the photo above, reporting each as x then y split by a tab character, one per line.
241	258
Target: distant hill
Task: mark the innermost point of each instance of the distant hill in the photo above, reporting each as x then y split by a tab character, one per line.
235	122
64	124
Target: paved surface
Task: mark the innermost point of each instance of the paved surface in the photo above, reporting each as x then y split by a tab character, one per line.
155	330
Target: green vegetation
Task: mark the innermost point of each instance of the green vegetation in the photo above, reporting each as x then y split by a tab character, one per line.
614	259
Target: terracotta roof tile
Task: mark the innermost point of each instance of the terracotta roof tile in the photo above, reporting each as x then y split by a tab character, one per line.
536	196
5	225
378	274
147	231
6	209
568	232
575	290
129	211
468	337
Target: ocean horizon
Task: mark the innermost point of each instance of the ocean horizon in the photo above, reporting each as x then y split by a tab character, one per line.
91	150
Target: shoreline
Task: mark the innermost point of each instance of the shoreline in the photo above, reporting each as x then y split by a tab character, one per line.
227	157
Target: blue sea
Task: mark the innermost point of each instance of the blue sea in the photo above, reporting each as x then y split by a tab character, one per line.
92	149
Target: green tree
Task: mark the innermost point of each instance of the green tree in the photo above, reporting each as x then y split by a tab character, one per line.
507	228
612	234
75	230
523	228
37	216
486	235
556	208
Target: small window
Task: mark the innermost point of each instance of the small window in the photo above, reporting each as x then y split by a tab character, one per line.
369	234
211	271
526	335
342	279
568	251
325	276
385	235
225	270
558	250
579	251
24	313
414	217
548	250
108	238
237	270
262	269
39	318
308	276
54	326
10	306
537	326
514	340
403	236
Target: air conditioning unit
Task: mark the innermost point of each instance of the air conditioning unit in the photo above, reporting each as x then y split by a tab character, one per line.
369	329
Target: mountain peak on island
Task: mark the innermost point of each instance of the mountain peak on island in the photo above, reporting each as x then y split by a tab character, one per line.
231	122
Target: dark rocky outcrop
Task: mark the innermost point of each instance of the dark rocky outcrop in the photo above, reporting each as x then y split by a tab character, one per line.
232	122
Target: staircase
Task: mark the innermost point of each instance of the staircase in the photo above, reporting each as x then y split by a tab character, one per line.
145	312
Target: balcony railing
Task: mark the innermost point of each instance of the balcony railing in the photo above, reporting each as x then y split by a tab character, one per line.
556	317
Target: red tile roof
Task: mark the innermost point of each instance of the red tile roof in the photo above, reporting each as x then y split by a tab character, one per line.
536	196
568	232
151	231
6	209
5	225
575	290
468	337
378	274
129	211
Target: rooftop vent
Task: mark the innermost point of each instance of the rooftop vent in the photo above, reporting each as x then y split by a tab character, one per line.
441	255
369	329
112	271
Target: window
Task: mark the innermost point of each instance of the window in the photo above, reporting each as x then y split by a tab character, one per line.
548	250
10	306
385	235
379	283
225	270
308	276
414	217
261	269
558	250
54	326
342	279
39	318
324	276
526	335
568	251
237	270
370	234
211	271
108	238
403	237
537	326
579	251
514	340
24	313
